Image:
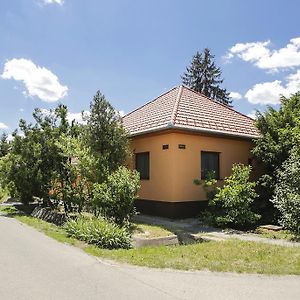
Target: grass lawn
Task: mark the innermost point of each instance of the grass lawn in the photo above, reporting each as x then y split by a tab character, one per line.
281	234
228	256
150	231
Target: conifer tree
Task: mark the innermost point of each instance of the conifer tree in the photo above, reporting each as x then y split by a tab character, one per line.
204	76
105	133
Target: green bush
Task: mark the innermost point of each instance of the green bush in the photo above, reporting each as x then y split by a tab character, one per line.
100	232
287	192
3	193
209	185
232	203
114	199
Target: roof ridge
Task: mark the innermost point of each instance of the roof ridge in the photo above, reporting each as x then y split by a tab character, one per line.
176	105
226	106
164	93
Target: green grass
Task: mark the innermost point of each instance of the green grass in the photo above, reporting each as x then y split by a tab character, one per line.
226	256
150	231
281	234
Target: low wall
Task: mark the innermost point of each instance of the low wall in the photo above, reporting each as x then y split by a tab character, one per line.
49	215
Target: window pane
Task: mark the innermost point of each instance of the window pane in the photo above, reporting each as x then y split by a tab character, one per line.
209	164
142	164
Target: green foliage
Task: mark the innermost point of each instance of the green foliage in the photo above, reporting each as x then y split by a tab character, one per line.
114	198
99	231
4	145
287	192
222	256
204	76
3	193
232	203
64	164
105	133
209	185
280	132
73	180
33	158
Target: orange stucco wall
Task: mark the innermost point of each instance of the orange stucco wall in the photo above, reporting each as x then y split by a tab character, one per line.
172	171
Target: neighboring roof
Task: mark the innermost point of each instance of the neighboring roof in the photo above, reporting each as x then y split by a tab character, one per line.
183	108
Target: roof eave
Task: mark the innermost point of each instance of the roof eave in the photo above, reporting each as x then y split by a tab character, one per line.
203	130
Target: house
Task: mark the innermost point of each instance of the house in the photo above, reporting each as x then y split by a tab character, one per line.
178	137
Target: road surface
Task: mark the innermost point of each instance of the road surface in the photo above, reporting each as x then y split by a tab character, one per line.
33	266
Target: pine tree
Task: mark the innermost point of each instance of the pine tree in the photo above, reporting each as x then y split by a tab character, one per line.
204	76
4	145
106	135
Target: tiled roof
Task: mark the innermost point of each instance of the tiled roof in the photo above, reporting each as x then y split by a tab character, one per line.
183	108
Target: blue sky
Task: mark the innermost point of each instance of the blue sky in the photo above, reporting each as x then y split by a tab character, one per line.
63	51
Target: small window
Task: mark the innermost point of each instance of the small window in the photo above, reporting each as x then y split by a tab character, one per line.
210	164
142	164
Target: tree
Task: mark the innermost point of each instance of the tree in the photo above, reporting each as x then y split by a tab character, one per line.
29	167
280	132
4	145
105	133
287	192
73	181
204	76
114	198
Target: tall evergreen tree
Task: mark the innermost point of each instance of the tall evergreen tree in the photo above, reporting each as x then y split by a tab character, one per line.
105	133
204	76
4	145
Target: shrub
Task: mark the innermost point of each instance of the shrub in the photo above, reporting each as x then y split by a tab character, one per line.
232	203
279	133
287	192
73	183
99	231
209	185
3	193
114	199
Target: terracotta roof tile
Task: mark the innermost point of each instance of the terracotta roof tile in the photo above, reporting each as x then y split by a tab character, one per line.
183	108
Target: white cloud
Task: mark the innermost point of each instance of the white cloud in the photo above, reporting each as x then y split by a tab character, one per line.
46	112
38	81
3	126
122	113
60	2
252	114
265	93
235	95
10	137
77	117
261	56
269	92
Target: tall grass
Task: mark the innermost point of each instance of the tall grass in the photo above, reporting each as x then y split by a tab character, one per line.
100	232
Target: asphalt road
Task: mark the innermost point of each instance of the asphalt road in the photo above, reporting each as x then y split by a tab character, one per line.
33	266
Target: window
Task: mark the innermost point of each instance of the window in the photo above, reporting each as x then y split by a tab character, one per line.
142	164
210	164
